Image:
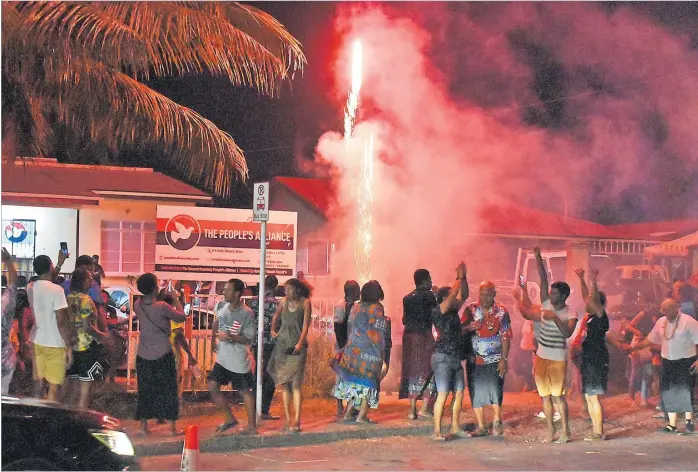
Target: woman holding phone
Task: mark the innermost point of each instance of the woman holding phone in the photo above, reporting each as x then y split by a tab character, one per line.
287	363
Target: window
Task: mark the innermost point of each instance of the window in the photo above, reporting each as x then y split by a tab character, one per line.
128	247
318	258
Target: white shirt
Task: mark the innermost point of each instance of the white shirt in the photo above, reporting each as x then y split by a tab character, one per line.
45	298
682	344
552	344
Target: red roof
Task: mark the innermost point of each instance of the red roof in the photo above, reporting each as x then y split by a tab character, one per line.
319	193
511	218
508	218
661	230
48	178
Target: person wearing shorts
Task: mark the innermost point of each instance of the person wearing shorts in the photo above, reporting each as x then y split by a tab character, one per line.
52	333
446	362
554	325
86	367
233	331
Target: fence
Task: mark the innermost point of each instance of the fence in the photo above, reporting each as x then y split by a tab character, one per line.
198	331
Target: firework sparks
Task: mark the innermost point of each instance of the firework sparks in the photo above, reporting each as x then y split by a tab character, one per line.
364	200
353	100
364	234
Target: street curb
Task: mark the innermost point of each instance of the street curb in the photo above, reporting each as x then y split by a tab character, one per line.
233	443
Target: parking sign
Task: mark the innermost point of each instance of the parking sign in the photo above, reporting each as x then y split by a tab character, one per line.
260	201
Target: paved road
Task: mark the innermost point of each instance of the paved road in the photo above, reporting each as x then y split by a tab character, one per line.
653	451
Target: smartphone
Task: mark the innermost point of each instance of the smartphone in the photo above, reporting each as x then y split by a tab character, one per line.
521	280
64	249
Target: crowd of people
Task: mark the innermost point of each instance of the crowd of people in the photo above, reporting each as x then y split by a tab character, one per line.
450	342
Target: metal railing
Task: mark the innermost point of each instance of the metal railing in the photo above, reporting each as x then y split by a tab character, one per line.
604	246
198	331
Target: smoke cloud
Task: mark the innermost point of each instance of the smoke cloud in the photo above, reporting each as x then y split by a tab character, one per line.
555	105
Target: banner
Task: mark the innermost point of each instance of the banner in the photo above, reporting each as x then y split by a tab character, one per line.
217	244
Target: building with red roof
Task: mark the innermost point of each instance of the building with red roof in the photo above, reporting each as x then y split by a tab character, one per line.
96	210
520	226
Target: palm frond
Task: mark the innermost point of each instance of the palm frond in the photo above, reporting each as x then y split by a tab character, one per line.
84	29
80	63
136	113
203	38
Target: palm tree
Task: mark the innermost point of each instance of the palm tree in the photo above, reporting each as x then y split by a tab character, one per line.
82	65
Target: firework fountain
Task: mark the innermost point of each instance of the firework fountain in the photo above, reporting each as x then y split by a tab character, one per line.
364	172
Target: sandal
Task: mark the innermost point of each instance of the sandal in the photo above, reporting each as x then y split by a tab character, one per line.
497	428
478	433
595	437
425	416
411	417
366	421
460	434
438	437
226	426
294	429
669	429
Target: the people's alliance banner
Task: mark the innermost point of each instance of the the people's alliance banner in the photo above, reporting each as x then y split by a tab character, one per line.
222	243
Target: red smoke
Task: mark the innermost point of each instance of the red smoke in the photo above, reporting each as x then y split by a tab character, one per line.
439	155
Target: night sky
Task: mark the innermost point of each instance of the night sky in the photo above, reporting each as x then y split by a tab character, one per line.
272	131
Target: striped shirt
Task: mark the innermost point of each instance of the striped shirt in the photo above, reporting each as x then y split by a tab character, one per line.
552	344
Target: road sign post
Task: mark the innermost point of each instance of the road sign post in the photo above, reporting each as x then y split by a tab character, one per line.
260	212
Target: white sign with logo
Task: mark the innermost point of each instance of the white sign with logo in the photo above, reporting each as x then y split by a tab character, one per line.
222	243
260	201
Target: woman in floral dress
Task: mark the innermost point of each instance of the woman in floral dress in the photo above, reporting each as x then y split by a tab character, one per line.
365	359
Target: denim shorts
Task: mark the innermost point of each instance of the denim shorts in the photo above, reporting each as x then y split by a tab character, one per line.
448	373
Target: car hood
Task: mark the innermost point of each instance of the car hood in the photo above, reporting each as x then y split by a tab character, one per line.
44	409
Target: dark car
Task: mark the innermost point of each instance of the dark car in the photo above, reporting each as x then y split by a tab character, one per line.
39	435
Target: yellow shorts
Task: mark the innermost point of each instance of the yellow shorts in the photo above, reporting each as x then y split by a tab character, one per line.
50	364
550	377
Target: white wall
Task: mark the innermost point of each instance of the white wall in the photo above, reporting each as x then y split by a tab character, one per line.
53	225
113	210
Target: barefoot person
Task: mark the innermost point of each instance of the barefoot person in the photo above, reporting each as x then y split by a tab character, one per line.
447	358
52	336
417	379
677	334
156	371
287	363
595	360
556	325
233	331
342	310
365	359
490	326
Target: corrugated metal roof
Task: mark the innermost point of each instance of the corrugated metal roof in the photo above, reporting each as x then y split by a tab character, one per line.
48	177
505	218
